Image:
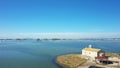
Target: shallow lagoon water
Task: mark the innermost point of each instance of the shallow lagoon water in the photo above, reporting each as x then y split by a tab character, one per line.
42	54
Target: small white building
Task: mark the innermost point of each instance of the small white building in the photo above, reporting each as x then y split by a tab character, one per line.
92	52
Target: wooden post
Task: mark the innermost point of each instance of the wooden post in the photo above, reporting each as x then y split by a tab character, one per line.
118	64
118	61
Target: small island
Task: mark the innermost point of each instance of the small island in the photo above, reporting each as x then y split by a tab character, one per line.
90	58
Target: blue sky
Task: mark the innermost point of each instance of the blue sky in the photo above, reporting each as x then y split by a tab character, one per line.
78	16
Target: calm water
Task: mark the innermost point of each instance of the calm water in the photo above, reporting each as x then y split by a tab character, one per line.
42	54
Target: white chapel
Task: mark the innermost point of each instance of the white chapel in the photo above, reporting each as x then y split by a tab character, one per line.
92	52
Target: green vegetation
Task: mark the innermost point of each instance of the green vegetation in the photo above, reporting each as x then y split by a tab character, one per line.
70	61
112	54
38	39
55	39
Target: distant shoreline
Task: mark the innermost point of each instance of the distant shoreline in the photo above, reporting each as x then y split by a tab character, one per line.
55	39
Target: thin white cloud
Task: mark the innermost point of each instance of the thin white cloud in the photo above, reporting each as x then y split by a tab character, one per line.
61	35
